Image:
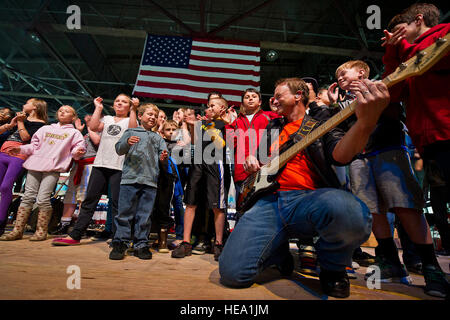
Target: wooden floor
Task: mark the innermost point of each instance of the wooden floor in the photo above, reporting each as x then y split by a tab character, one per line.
38	270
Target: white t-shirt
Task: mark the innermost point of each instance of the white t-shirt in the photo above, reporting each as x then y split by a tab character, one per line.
107	156
250	117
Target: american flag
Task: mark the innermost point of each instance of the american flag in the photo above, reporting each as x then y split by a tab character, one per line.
187	69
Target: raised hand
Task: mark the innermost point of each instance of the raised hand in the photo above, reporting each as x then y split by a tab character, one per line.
393	38
333	93
176	116
98	103
79	125
13	123
232	113
200	118
134	103
21	116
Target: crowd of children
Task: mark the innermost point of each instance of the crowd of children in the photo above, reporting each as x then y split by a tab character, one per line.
150	165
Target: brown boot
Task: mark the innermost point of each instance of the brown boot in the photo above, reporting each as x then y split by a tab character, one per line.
162	246
19	227
42	225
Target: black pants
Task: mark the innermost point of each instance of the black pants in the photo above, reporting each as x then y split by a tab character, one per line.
98	182
161	211
437	173
439	197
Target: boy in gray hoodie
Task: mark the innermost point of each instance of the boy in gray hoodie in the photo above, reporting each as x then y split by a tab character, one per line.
143	149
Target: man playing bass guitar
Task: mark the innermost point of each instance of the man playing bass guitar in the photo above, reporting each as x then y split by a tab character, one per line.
306	202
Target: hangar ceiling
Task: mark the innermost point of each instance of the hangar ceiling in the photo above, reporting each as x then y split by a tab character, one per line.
41	57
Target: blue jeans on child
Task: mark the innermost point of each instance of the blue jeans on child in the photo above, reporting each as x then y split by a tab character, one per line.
178	210
135	203
342	221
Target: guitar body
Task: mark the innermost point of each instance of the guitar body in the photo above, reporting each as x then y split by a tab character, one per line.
254	187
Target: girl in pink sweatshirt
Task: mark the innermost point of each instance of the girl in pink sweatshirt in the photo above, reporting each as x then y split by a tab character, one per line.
50	152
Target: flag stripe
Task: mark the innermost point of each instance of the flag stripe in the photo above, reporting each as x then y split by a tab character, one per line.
154	75
230	51
239	57
181	95
225	45
224	60
223	70
187	87
205	71
223	65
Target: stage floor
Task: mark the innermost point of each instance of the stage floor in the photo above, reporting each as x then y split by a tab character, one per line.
38	270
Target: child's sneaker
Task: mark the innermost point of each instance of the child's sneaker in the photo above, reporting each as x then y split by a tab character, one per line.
308	260
174	244
118	251
351	273
101	236
61	229
390	272
436	283
200	248
363	258
184	249
65	242
143	253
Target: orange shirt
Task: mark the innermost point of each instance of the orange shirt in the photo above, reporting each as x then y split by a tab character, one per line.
298	173
8	145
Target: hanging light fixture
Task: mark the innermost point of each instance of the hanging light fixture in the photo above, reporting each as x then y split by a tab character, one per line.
271	55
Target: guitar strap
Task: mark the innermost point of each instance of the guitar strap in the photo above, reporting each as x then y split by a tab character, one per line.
304	129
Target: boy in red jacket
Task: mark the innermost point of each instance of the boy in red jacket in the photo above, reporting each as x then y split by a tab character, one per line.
427	103
426	96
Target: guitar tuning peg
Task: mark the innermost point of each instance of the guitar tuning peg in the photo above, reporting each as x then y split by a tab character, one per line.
419	56
403	66
441	41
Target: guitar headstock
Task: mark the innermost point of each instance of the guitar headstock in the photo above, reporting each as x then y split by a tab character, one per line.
421	62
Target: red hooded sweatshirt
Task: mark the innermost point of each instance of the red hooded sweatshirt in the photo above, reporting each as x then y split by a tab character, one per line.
427	96
246	141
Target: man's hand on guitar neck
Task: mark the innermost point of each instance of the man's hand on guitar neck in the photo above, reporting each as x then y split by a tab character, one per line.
251	164
372	97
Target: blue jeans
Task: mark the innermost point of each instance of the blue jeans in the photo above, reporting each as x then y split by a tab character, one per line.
135	202
178	210
342	221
